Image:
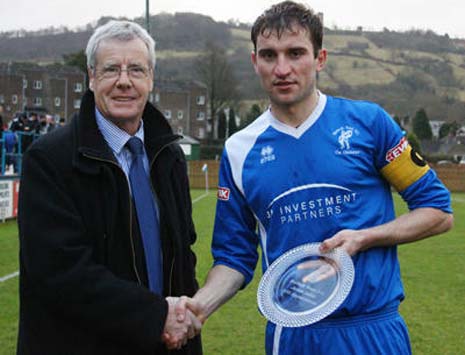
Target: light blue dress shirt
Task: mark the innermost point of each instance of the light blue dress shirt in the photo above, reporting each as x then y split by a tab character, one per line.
116	138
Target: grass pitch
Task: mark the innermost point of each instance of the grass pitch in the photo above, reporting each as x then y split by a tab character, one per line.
433	272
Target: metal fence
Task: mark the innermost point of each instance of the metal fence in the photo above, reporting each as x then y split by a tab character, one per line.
13	144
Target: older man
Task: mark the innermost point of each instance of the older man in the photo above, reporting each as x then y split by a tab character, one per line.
105	217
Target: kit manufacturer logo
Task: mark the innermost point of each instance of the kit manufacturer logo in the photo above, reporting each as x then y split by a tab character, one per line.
267	154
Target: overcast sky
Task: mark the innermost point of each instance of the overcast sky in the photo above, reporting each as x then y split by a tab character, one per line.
446	16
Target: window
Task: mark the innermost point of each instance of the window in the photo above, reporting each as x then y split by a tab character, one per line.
201	133
200	116
37	84
37	101
2	99
24	84
157	97
57	101
180	130
180	114
167	114
201	100
77	103
14	99
77	87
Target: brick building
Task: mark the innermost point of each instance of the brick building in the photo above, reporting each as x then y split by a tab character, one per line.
54	89
184	104
58	90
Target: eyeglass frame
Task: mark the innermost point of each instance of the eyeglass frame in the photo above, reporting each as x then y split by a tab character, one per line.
129	69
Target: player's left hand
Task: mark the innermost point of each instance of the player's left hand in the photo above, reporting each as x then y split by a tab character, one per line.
348	239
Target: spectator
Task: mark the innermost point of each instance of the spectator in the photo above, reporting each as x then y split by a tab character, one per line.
10	141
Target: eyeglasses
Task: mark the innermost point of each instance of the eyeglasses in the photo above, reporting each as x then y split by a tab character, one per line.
114	71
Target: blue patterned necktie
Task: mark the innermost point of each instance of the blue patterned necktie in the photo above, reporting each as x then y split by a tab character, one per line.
146	215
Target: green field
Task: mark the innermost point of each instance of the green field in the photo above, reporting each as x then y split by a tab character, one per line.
433	272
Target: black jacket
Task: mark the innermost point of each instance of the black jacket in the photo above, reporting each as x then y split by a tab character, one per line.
82	269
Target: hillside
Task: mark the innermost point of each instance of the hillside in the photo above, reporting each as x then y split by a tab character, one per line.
401	71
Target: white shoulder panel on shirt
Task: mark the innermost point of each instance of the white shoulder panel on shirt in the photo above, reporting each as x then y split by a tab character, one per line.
239	145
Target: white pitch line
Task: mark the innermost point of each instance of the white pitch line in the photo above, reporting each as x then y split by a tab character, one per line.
16	273
198	198
10	276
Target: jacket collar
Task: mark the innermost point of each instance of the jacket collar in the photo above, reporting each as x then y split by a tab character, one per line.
91	144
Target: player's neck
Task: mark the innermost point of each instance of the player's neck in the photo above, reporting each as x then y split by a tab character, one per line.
295	114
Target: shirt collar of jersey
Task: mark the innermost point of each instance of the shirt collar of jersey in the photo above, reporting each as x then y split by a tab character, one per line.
309	121
115	137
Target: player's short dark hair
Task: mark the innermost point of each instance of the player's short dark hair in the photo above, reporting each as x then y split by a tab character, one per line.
284	16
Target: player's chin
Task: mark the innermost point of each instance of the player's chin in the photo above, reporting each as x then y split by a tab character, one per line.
283	100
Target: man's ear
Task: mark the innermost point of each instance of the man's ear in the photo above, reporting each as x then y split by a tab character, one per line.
321	59
91	75
253	58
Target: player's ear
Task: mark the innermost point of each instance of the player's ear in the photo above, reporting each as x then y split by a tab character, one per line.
253	57
321	58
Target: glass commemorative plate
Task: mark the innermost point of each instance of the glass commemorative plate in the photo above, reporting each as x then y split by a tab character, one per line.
304	286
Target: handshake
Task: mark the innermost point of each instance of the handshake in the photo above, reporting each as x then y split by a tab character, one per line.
187	315
183	322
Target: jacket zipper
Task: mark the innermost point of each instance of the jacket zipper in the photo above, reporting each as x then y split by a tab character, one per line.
130	217
170	287
170	284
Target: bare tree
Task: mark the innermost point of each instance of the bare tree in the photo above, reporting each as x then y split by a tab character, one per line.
214	70
78	60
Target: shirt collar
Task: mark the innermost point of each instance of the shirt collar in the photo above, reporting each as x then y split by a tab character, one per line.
115	137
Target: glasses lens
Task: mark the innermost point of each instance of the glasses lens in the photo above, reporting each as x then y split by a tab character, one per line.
114	71
137	72
110	72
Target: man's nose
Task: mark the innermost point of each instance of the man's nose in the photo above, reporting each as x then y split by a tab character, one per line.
123	79
283	67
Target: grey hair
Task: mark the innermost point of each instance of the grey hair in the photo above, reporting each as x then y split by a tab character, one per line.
120	30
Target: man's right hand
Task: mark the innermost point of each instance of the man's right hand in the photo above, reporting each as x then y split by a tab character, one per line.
181	324
186	315
191	305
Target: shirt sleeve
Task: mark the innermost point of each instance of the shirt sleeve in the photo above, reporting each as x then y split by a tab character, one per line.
235	240
405	169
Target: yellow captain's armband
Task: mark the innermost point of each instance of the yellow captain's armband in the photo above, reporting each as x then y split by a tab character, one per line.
405	166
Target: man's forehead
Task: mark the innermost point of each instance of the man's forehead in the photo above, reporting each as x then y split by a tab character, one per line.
295	32
112	50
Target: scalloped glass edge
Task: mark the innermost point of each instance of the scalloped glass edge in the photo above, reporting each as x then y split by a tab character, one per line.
277	315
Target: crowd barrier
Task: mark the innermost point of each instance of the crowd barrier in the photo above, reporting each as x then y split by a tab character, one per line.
11	158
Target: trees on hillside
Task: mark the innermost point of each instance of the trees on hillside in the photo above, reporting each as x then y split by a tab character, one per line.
78	60
221	131
251	115
413	140
447	128
232	125
420	125
226	123
214	70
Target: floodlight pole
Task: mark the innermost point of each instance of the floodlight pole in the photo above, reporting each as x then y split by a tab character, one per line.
147	15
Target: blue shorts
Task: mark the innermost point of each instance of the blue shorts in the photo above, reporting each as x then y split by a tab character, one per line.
383	332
